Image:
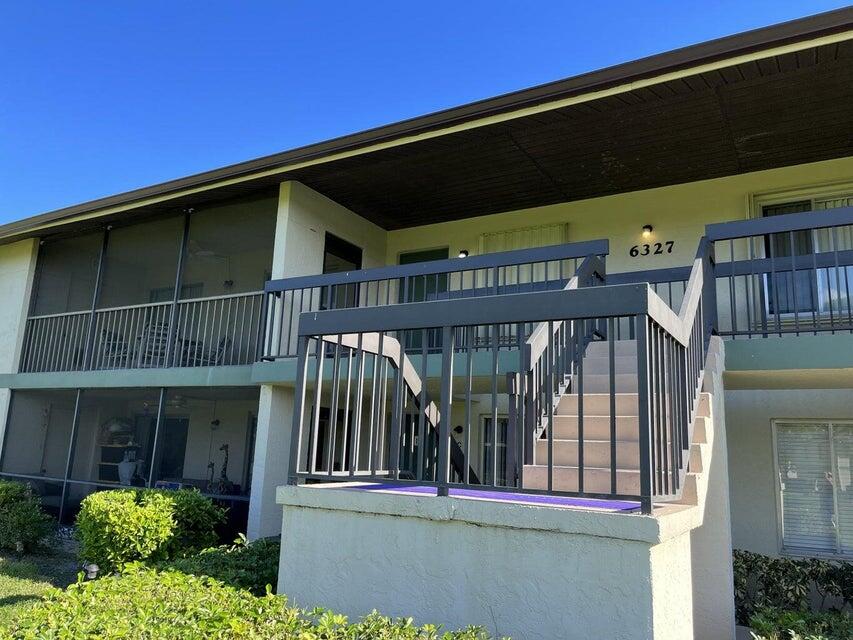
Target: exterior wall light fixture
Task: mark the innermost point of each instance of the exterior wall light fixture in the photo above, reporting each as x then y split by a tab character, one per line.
463	253
647	230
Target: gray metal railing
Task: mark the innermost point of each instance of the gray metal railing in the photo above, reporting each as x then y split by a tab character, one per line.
786	274
539	269
368	413
55	342
212	331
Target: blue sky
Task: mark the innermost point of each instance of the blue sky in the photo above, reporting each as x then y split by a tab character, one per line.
101	97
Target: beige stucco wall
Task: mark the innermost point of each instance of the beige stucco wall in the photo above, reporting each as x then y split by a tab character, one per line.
304	218
519	570
679	212
750	445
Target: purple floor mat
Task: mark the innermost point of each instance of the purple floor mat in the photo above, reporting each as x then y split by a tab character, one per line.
503	496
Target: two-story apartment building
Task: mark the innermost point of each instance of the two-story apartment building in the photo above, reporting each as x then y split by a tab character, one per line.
572	275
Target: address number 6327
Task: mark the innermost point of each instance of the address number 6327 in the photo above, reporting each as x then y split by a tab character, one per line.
656	249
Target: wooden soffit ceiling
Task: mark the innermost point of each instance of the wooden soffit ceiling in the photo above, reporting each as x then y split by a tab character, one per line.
788	109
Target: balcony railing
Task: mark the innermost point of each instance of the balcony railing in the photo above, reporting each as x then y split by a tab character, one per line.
213	331
526	270
384	423
788	274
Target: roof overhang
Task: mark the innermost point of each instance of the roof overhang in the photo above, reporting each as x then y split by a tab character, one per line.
771	97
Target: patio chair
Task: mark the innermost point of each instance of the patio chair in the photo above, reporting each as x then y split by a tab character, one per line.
153	344
115	351
199	356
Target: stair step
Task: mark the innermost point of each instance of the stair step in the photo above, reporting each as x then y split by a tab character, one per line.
598	404
600	383
597	427
601	365
596	453
595	480
600	348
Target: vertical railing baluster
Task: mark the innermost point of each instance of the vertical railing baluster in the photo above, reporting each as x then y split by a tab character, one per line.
611	359
318	389
447	349
397	409
580	351
423	426
469	376
643	405
549	391
299	408
333	411
794	289
494	412
355	438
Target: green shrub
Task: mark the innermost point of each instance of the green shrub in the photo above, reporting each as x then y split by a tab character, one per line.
775	624
127	525
786	584
196	520
23	524
169	605
245	566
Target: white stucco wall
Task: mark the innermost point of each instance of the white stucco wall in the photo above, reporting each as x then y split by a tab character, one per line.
271	463
711	543
518	570
755	518
17	266
304	218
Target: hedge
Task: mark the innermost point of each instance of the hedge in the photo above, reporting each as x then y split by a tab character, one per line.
23	524
775	624
788	584
128	525
169	605
250	566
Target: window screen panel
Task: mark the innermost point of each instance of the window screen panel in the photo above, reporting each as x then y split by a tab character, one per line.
229	248
66	274
842	445
141	260
806	490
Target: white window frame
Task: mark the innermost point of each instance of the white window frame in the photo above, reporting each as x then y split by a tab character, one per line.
813	193
799	553
825	191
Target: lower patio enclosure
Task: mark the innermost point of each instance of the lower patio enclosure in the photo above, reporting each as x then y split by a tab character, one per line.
68	443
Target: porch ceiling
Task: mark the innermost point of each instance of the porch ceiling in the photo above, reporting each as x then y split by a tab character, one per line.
785	110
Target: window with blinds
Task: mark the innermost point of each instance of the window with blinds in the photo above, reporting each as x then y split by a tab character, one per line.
815	493
524	238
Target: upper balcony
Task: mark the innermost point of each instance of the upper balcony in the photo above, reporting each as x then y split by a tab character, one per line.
108	300
181	291
781	275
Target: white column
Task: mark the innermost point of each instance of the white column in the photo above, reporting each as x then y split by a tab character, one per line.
272	455
713	588
17	267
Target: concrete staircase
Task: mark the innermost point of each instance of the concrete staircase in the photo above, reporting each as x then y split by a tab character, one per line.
597	425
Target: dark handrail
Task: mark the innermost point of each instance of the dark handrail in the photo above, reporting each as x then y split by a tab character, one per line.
452	265
821	219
